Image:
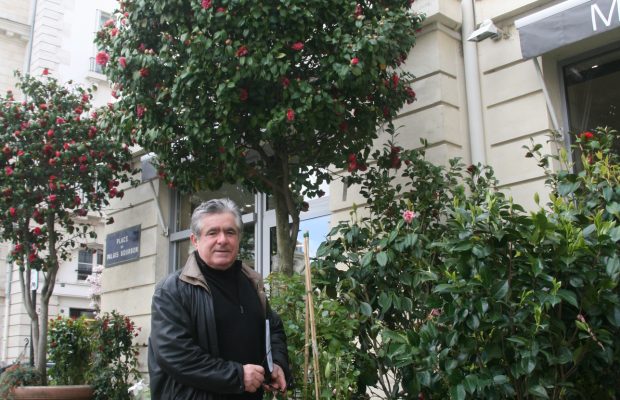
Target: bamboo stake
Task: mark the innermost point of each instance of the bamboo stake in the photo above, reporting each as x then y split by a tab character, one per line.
306	351
310	302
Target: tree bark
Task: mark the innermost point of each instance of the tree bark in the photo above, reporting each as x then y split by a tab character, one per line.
286	232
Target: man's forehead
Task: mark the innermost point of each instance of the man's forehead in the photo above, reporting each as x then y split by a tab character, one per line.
219	221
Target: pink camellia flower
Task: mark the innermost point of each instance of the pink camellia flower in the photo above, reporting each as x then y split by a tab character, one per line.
109	22
45	71
144	72
241	51
221	9
51	198
243	94
122	61
60	120
355	61
408	216
297	46
290	115
102	58
206	4
8	170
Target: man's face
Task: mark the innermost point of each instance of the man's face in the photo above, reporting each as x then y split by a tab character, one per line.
218	244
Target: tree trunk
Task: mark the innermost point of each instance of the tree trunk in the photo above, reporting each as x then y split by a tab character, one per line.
286	232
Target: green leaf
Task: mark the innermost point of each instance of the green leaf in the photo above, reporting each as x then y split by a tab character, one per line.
367	259
500	290
538	391
500	379
566	188
382	258
457	392
385	301
365	309
569	297
614	316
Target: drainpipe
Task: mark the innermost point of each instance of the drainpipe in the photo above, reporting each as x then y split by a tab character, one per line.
33	13
472	86
7	309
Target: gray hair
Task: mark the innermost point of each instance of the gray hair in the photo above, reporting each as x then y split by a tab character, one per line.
215	206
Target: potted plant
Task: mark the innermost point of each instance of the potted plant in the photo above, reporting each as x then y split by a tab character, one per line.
90	359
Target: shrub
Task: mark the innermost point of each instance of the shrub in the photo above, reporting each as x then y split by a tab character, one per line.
70	350
460	293
338	373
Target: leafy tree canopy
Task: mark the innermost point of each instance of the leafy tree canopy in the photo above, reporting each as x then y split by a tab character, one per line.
265	93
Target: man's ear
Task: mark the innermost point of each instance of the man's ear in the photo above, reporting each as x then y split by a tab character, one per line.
192	238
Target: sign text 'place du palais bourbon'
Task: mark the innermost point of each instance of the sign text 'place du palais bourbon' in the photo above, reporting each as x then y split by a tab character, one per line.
122	246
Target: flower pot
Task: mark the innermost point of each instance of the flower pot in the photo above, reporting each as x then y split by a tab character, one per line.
73	392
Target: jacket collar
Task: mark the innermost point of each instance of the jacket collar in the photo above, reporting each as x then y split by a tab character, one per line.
191	274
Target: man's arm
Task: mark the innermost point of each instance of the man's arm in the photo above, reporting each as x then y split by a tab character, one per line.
178	354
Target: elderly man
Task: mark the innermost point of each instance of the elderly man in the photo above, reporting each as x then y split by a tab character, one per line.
208	321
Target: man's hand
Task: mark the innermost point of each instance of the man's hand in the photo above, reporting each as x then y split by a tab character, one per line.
278	382
253	377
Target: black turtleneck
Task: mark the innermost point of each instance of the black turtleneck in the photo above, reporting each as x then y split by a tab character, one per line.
238	317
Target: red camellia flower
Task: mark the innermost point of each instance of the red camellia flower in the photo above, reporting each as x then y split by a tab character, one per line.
12	211
43	106
355	61
144	72
395	80
140	111
290	115
358	10
108	23
241	51
37	231
122	61
45	71
60	120
285	82
102	58
50	133
297	46
51	198
8	170
585	136
410	95
114	32
206	4
18	248
243	94
221	9
78	110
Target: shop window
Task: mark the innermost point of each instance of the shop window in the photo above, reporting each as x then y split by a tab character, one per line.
592	95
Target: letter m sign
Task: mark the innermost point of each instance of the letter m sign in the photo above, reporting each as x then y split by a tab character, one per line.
596	12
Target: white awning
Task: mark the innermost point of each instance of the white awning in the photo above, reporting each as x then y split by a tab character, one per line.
565	23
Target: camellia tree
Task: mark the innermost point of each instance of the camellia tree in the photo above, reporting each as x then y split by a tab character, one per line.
56	165
267	94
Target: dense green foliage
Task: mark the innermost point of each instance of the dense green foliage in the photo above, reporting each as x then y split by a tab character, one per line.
70	347
337	354
268	94
470	296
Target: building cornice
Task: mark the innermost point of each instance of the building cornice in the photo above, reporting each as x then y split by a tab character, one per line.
12	28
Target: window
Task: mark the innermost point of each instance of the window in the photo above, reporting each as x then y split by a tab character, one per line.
102	17
86	261
592	97
75	313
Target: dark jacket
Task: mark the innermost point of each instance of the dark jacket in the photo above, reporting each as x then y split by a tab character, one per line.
183	357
